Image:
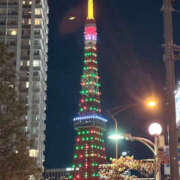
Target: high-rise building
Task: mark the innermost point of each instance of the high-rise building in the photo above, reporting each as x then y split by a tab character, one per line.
89	125
24	28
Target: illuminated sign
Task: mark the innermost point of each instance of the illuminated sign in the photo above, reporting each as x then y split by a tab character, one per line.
177	100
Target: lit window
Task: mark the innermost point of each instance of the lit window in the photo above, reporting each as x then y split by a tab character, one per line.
31	177
28	63
33	153
13	32
29	21
26	129
36	63
21	63
24	2
37	21
37	11
30	2
27	84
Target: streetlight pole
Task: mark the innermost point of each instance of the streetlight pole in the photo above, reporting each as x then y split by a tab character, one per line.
151	103
156	151
116	130
154	147
118	110
155	130
169	59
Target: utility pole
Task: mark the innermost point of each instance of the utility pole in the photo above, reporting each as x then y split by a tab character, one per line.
169	59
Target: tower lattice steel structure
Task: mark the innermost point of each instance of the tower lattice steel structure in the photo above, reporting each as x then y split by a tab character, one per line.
90	125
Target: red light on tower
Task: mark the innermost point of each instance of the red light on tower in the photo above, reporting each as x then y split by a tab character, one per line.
90	30
91	132
90	33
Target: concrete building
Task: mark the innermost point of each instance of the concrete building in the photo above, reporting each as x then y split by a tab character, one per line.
24	28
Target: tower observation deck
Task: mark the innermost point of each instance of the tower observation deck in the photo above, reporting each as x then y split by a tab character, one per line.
89	124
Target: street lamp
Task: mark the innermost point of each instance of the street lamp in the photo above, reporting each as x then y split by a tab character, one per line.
116	136
155	130
150	103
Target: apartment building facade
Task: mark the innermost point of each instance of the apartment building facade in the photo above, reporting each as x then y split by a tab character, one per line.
24	28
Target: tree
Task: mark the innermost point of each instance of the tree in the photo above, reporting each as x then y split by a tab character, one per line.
117	170
15	162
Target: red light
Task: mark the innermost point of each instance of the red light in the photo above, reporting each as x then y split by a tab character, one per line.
78	139
78	176
83	84
90	30
82	100
91	131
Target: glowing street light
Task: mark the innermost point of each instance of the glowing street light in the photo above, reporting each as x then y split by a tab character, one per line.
155	129
116	137
151	103
124	153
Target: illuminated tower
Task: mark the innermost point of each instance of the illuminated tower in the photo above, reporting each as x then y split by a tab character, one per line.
90	125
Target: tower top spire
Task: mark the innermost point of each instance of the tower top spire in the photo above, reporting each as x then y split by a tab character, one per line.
90	15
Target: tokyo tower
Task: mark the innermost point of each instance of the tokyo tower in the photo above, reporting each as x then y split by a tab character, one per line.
89	149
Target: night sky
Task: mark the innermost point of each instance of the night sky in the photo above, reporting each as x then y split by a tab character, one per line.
130	34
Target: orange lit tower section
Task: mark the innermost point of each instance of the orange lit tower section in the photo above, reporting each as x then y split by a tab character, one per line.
90	125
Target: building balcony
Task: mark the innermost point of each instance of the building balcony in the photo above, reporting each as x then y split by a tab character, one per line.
26	26
26	15
26	36
37	46
25	57
25	46
37	35
24	68
10	4
35	123
36	78
12	25
36	89
2	33
36	101
26	6
22	78
23	90
37	56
